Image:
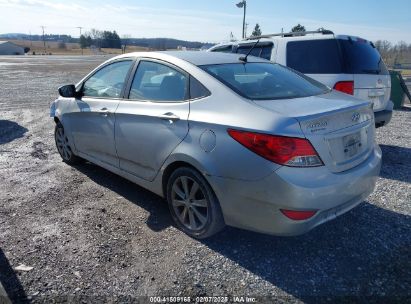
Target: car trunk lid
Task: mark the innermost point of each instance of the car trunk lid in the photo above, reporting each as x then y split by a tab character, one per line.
340	128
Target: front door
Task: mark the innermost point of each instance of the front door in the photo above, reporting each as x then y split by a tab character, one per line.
92	124
154	120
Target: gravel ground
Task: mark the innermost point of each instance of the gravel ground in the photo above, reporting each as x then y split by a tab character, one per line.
92	236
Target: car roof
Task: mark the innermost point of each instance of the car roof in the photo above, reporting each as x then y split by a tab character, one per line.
303	37
195	57
288	38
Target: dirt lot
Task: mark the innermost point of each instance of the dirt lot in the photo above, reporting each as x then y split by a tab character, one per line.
69	49
90	235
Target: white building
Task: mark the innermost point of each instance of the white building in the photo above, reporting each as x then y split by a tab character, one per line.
9	48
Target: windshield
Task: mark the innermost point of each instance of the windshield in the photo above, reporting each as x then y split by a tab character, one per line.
265	80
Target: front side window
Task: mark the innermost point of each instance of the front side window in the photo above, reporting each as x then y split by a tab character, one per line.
158	82
265	81
107	82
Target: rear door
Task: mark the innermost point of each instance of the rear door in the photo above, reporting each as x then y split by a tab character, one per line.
154	119
371	78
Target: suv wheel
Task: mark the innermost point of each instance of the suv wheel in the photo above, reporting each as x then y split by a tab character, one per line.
193	204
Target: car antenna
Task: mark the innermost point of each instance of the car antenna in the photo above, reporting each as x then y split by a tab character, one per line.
244	58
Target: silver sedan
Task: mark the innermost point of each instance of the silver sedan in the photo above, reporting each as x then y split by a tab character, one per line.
227	139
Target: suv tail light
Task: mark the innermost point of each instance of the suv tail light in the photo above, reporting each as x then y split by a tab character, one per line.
287	151
346	87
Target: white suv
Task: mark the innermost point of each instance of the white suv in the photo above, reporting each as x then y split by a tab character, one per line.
346	63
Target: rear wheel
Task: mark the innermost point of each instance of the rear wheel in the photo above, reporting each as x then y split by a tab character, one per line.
193	204
63	146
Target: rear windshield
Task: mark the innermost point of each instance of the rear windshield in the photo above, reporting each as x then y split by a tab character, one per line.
335	56
262	81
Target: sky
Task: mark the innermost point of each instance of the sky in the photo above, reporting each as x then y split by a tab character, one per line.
207	20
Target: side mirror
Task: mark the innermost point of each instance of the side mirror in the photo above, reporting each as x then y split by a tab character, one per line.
68	91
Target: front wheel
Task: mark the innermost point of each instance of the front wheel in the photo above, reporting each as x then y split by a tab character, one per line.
193	204
63	146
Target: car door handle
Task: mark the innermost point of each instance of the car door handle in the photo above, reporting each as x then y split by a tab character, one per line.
104	112
169	116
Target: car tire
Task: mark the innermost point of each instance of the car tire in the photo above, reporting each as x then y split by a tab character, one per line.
63	146
193	205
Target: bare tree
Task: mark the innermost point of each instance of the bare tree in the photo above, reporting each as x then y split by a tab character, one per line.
97	36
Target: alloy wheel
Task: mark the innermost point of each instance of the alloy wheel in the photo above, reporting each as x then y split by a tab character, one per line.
189	203
62	144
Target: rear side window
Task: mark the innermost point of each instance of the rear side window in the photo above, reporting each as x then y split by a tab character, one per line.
315	56
197	90
157	82
263	51
362	57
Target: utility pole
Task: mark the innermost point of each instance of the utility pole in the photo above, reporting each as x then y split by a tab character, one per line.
243	4
79	27
44	39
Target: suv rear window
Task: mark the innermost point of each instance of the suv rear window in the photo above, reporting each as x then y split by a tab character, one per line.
334	56
362	58
263	51
265	81
314	56
223	49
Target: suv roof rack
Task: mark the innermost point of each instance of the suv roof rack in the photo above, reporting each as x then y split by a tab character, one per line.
292	34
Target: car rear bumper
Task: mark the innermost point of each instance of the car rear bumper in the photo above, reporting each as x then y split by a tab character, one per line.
256	205
384	117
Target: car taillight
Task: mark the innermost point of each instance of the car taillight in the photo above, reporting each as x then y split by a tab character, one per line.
298	215
287	151
346	87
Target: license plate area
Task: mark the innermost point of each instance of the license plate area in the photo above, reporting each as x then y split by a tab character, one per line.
352	144
376	97
350	148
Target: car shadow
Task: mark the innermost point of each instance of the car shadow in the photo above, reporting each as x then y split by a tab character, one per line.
10	282
10	130
396	163
345	257
342	258
159	216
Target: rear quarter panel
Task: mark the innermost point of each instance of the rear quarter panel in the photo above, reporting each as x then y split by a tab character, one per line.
219	112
